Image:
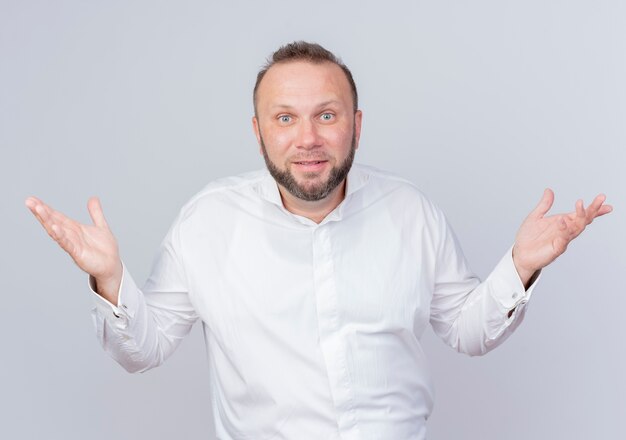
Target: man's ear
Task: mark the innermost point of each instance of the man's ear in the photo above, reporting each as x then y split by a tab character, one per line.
257	132
358	118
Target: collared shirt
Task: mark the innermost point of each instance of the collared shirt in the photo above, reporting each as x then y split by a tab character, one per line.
313	330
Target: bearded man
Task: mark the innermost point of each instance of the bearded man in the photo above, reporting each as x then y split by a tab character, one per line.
314	279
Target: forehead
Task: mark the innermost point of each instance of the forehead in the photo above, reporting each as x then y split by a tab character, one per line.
288	83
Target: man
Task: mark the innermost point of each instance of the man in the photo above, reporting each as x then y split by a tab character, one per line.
315	281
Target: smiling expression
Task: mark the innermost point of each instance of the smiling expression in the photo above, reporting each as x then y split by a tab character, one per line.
307	128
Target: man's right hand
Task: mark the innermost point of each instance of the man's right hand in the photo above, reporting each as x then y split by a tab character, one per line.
92	247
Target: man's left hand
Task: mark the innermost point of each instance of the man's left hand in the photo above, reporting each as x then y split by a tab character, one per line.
541	239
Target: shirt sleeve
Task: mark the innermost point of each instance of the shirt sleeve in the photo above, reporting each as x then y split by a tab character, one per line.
146	325
471	316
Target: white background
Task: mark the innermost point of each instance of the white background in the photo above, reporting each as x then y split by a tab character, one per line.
482	104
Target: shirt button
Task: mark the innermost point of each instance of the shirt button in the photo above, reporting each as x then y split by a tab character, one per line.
515	294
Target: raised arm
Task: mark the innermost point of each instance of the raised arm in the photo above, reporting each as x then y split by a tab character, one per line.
139	329
92	247
475	317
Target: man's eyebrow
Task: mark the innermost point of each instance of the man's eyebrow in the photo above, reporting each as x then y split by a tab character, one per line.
327	103
281	107
319	106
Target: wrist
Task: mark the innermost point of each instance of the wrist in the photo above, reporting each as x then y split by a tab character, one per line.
524	272
109	286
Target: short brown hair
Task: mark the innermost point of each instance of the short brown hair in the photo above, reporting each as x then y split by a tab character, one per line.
304	51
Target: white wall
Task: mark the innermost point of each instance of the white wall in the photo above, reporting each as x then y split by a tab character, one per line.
481	103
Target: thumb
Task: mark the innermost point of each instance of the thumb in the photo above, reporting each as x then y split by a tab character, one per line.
544	204
95	212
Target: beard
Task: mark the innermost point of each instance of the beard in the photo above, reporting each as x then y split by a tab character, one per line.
311	192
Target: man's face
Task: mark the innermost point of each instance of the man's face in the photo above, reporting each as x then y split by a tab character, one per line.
306	127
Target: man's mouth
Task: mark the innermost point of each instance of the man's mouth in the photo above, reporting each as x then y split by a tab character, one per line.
309	162
310	166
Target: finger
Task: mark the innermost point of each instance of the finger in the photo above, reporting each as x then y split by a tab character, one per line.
95	212
595	206
580	210
32	207
42	213
61	236
32	203
544	204
604	209
49	218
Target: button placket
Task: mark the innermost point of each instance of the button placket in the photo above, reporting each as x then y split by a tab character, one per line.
332	342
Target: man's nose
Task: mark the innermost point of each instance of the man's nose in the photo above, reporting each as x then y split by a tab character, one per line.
308	135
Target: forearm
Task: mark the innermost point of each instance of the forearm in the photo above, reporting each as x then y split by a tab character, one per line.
138	335
486	314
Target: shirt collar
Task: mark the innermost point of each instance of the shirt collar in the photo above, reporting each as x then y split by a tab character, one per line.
268	189
356	180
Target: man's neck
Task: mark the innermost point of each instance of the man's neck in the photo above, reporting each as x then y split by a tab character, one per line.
317	210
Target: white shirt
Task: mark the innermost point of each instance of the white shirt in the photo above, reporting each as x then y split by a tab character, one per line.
313	330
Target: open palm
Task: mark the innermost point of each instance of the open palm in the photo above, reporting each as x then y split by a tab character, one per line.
541	239
92	247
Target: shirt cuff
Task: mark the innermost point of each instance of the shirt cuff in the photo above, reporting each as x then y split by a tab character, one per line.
127	300
508	290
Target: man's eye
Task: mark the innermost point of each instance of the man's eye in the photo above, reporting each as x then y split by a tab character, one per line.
285	119
327	116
